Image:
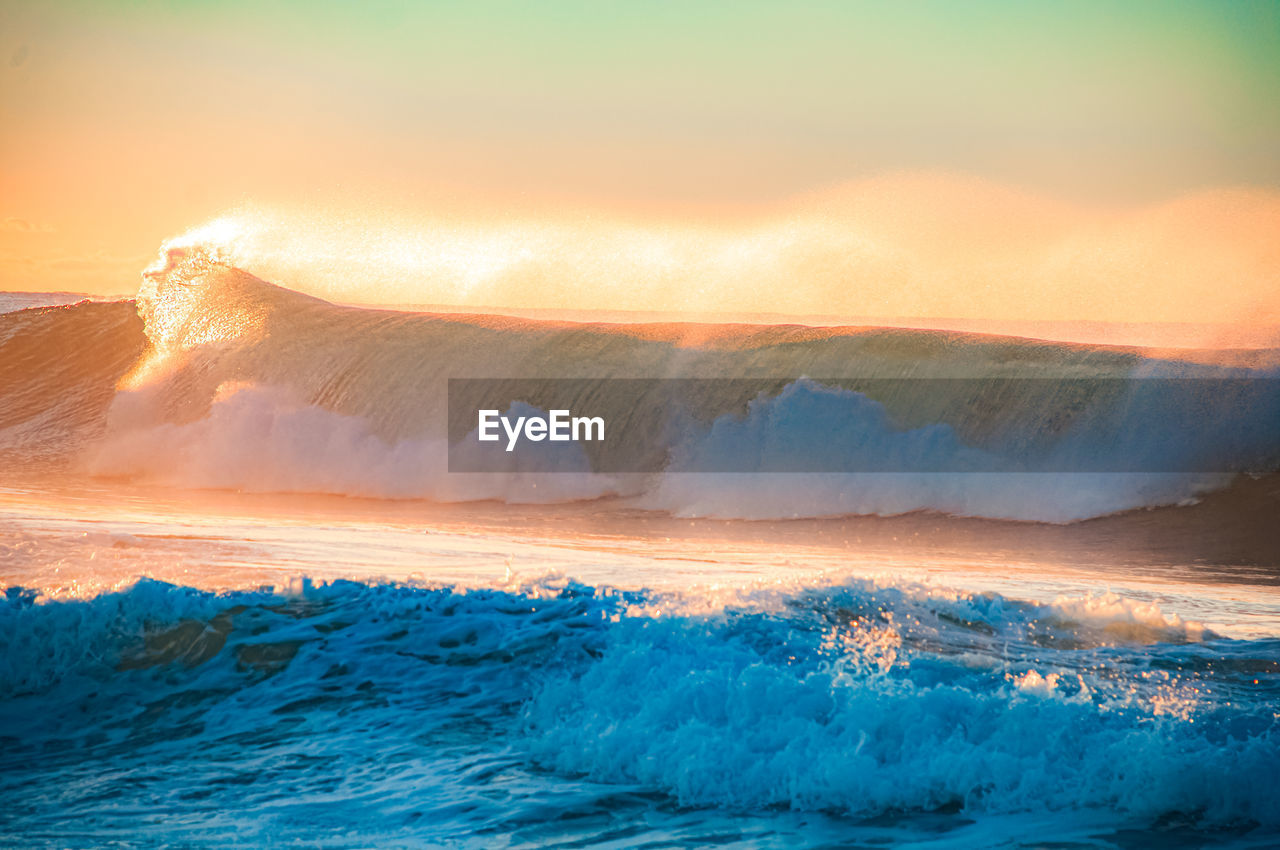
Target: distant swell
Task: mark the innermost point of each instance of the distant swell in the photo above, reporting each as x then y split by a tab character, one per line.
231	382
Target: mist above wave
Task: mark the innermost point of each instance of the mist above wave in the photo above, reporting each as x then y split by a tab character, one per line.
901	245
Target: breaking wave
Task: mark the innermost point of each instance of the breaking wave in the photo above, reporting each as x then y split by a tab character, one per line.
231	382
855	699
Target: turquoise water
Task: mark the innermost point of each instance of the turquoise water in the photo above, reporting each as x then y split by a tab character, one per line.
744	701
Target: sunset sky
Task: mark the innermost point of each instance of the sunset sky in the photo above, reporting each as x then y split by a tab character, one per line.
1127	148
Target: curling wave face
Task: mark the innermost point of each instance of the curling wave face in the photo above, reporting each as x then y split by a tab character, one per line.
235	383
895	711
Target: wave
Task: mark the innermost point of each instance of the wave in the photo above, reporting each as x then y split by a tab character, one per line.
59	367
855	698
231	382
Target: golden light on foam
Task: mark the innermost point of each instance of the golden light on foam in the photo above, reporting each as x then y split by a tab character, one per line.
217	237
177	309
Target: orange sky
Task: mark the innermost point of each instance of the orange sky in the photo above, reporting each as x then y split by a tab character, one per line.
1003	161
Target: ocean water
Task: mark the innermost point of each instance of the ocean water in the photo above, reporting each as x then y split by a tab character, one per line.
248	604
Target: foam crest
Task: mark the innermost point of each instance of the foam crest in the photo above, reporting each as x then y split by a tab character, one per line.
858	698
259	439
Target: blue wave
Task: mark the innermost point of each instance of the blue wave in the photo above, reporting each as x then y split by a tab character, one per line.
356	714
